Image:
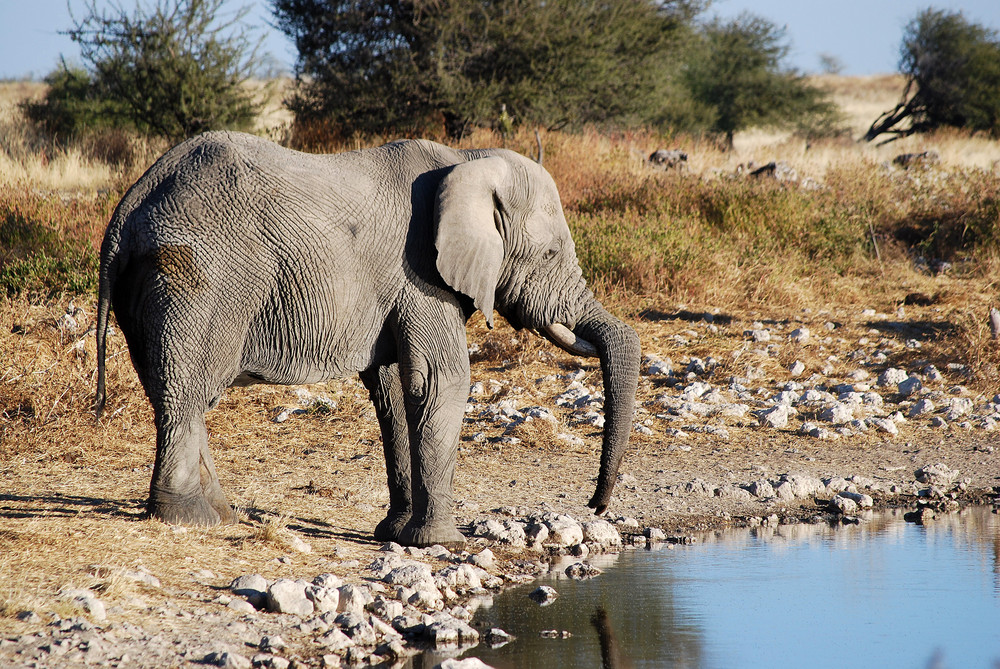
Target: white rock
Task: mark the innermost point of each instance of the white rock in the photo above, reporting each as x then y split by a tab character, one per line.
776	417
845	505
838	414
601	533
958	407
800	335
86	600
797	368
464	663
325	599
228	660
409	575
938	474
761	488
920	408
892	377
506	531
484	559
543	595
335	640
354	598
288	596
564	531
909	386
884	425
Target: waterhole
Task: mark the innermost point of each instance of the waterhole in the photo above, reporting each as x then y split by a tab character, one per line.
883	593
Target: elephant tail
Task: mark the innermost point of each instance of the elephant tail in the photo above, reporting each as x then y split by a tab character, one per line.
113	254
103	313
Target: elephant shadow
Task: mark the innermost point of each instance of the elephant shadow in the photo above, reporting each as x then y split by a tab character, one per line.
58	505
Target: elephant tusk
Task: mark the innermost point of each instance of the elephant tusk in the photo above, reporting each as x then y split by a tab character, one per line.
564	338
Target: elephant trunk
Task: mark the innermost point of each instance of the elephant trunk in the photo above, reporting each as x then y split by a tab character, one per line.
598	333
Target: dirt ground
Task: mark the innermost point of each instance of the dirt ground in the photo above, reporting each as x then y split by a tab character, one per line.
305	464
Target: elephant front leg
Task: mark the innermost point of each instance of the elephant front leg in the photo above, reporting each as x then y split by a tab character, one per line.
436	388
185	489
386	392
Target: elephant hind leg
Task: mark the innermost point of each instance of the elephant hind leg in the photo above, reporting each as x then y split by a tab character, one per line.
185	489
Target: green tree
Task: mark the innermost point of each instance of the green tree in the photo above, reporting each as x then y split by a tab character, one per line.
738	73
952	69
173	70
370	66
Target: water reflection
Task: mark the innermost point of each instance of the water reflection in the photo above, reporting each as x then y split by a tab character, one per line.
882	593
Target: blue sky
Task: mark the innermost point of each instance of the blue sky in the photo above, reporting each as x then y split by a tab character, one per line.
864	35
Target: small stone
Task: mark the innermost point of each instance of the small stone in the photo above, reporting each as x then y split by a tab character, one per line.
655	534
268	661
920	408
909	386
496	637
464	663
775	417
797	368
884	425
330	661
242	606
937	474
601	533
580	571
272	643
564	531
484	559
251	586
838	414
288	596
228	660
845	504
543	595
892	377
324	599
335	640
761	488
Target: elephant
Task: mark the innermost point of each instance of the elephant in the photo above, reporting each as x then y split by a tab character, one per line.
235	261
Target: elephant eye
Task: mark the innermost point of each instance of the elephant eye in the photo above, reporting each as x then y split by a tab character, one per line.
550	254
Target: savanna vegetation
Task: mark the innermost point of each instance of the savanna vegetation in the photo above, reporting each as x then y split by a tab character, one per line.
844	232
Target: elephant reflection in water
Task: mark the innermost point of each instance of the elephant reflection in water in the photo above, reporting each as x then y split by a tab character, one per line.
612	656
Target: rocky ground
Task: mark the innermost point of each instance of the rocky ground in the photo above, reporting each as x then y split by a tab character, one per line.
816	417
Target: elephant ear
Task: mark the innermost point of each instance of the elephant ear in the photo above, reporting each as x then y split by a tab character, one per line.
468	240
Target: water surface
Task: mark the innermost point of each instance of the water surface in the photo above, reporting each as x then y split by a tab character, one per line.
885	593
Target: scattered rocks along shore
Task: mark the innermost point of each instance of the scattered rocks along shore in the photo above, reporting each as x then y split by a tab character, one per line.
406	600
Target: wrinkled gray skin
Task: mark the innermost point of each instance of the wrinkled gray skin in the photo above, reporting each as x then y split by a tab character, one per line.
235	261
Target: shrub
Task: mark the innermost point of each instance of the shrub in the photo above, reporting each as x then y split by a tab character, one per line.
173	71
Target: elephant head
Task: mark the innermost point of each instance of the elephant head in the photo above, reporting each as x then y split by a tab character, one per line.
502	240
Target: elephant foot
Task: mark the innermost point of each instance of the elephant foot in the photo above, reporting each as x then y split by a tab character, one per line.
422	536
201	510
391	527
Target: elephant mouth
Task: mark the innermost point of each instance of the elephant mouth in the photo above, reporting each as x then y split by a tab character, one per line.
567	340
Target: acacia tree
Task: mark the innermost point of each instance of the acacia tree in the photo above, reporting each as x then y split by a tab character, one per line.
738	73
369	65
952	69
173	70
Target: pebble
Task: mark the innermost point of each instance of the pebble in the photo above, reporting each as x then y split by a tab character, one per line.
938	474
543	595
580	571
